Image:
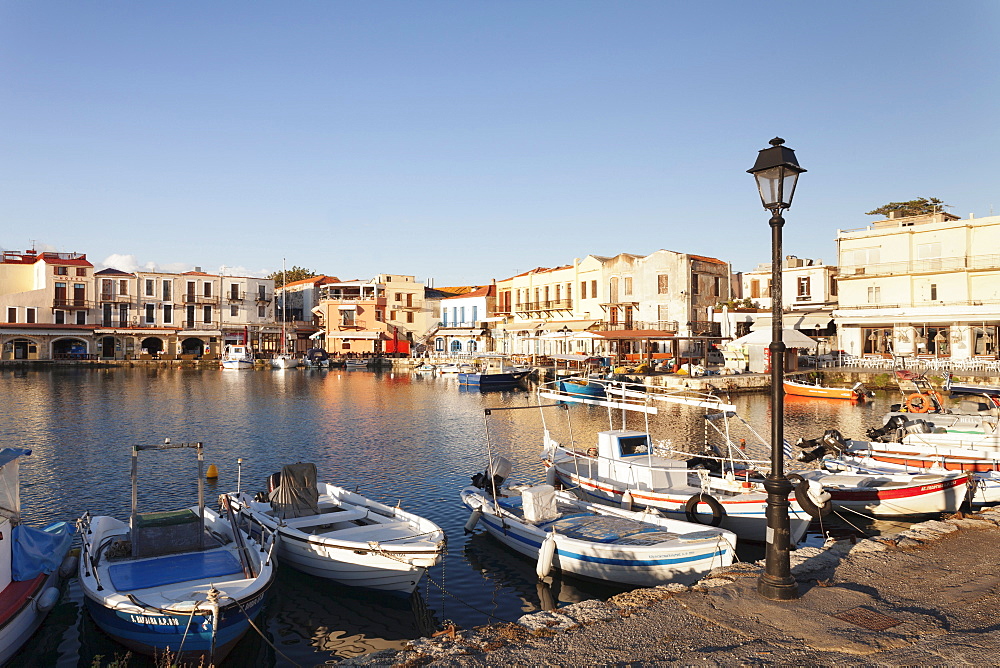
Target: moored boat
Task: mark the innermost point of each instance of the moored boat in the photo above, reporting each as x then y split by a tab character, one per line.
188	581
596	541
887	494
237	357
31	562
284	361
493	374
800	389
332	533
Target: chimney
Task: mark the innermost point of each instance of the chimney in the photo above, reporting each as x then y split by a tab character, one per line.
198	269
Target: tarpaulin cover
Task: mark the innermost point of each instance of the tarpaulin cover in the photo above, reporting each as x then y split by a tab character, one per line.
175	568
296	495
37	551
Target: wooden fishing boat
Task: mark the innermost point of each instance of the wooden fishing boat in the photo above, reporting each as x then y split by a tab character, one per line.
893	494
329	532
237	357
189	580
31	562
800	389
596	541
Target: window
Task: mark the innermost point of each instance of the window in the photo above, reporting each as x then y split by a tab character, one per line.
933	292
208	289
261	311
475	315
628	285
558	294
409	316
168	314
569	291
81	271
166	291
123	315
149	287
833	286
874	296
81	317
234	310
929	256
61	271
717	286
207	312
60	317
261	295
11	314
106	315
409	299
802	286
123	287
392	315
583	289
347	318
462	311
107	289
593	289
150	311
662	284
613	290
695	288
754	289
399	296
234	291
29	315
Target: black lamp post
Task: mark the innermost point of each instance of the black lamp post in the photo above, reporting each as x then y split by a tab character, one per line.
777	172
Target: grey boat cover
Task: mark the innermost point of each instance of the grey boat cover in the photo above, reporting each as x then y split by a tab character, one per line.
296	495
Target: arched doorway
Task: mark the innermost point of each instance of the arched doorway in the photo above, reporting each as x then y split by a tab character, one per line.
192	346
69	349
107	345
151	346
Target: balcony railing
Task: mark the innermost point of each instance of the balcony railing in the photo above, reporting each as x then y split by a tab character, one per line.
263	299
110	297
920	304
235	296
662	325
72	304
200	299
928	266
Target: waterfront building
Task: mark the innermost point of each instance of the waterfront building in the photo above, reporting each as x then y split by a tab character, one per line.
384	315
295	302
923	286
464	325
47	299
809	298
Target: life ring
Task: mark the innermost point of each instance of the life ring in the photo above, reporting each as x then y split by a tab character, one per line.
806	501
918	403
718	512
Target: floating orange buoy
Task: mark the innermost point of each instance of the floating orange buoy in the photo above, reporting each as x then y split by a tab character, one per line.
213	472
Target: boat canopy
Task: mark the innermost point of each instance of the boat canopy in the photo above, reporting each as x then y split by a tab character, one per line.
10	491
296	495
37	551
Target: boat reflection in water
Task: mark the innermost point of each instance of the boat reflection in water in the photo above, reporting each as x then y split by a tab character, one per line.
311	621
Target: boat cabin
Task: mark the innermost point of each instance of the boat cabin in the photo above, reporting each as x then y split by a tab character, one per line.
625	456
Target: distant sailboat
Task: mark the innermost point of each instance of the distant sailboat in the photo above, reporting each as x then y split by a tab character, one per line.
284	359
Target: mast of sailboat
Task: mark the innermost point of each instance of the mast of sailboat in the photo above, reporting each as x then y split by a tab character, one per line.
284	342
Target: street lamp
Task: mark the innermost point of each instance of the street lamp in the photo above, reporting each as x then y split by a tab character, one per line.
777	172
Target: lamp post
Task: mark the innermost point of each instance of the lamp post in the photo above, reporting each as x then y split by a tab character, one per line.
777	172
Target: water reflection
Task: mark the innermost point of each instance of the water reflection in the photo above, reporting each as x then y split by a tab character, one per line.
414	439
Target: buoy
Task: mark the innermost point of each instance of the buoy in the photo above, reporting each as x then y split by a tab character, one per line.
213	472
47	600
473	520
545	555
627	500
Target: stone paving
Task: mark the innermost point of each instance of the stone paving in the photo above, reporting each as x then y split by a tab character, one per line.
929	595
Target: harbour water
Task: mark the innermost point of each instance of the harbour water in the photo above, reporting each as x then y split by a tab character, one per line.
401	437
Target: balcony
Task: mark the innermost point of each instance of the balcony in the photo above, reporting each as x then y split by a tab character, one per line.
661	325
112	298
927	266
234	297
72	304
201	299
263	298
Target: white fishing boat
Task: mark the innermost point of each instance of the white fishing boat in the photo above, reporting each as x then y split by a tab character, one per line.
31	562
893	494
188	580
705	483
562	533
329	532
237	357
355	363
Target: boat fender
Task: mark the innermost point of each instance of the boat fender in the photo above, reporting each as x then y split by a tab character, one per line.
68	566
473	520
546	555
626	502
813	499
691	509
47	600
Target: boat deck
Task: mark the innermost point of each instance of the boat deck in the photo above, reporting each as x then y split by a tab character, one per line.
173	569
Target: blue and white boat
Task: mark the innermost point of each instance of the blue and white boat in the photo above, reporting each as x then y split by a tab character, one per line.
596	541
31	562
493	373
187	581
582	386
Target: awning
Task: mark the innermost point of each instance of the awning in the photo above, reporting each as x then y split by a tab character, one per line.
318	335
794	321
460	332
369	336
347	307
572	325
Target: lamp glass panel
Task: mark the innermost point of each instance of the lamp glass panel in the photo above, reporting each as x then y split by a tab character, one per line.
788	187
769	184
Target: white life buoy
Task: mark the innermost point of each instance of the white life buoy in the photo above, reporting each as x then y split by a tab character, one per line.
546	555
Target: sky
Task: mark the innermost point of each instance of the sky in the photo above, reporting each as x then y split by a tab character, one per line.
467	141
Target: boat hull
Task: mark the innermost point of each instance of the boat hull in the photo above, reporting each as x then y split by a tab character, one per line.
920	495
744	515
643	566
236	364
820	392
492	380
25	616
284	363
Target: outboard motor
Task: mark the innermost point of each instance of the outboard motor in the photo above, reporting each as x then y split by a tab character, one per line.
707	463
490	480
830	443
918	427
886	433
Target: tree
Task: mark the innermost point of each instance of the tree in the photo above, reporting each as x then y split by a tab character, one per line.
915	207
290	275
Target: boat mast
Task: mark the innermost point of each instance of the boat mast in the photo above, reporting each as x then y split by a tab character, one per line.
284	343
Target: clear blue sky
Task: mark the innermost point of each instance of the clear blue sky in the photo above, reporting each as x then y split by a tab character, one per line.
464	141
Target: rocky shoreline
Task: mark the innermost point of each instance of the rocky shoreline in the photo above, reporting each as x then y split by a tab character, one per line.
929	594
